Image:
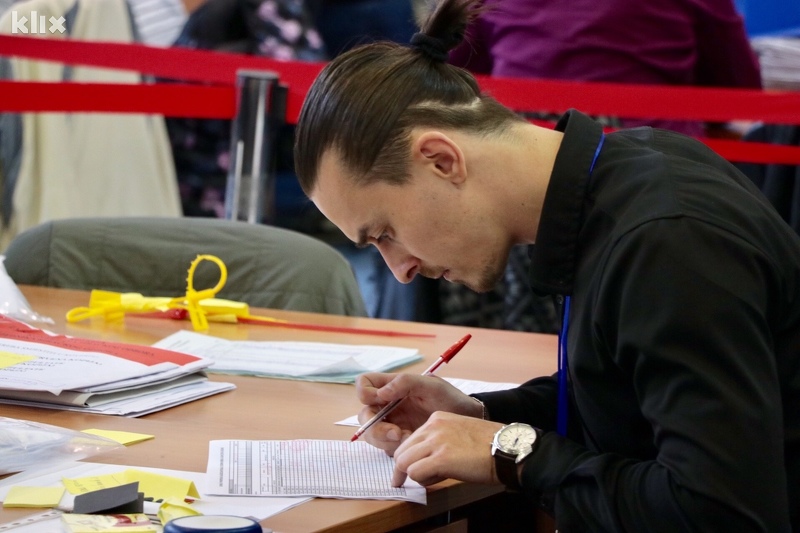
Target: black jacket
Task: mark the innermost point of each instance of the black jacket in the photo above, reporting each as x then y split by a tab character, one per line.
684	342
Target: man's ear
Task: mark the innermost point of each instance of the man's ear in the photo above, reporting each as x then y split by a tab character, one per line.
441	154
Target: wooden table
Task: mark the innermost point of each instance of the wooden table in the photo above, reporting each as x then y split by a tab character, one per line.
261	408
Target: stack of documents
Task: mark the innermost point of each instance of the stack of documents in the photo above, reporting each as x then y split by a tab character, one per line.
310	361
43	369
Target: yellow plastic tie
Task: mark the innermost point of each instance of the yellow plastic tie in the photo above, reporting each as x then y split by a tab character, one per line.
112	306
200	305
191	301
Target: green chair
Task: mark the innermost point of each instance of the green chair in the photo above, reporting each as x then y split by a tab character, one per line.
267	266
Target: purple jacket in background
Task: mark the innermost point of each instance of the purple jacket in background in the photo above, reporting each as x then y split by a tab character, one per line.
664	42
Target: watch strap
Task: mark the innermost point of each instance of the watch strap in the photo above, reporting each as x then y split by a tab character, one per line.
506	469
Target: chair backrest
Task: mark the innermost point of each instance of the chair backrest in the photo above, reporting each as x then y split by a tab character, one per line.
267	266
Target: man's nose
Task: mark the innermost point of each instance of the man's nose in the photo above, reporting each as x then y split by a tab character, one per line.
403	266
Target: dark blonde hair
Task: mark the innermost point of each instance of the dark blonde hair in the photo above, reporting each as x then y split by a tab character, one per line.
365	102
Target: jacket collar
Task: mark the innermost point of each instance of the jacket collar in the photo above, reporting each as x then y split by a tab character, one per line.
554	254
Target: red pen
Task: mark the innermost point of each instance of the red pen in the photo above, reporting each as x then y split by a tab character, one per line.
388	408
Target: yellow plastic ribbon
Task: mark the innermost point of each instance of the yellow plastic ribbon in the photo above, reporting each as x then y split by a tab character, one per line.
191	301
112	306
202	306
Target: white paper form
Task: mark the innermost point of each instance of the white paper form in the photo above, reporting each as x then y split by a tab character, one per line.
322	468
311	361
467	386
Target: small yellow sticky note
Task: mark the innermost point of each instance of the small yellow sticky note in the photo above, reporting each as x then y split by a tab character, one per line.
8	359
33	496
83	485
123	437
156	486
161	487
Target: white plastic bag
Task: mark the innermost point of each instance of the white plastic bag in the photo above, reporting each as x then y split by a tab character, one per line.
13	303
25	444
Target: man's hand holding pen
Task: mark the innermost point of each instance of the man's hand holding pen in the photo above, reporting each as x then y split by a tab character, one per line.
384	411
423	395
433	430
434	419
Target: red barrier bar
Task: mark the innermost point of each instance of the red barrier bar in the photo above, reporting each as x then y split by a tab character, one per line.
181	100
596	98
646	101
173	100
218	101
755	152
170	63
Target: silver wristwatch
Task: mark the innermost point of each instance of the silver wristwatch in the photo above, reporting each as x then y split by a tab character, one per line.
511	445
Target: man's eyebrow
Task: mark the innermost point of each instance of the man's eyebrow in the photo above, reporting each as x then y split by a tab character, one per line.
362	238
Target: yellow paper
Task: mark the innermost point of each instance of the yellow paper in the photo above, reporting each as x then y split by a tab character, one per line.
156	486
118	523
162	487
123	437
8	359
33	496
174	508
82	485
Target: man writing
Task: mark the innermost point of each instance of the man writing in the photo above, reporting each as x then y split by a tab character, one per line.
677	405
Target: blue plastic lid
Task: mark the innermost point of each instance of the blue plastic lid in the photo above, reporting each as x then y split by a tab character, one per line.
207	524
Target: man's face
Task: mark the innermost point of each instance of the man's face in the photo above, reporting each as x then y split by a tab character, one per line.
427	226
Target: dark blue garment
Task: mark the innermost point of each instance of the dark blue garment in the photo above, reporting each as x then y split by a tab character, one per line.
345	24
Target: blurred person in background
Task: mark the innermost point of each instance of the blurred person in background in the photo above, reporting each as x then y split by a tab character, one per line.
279	29
344	24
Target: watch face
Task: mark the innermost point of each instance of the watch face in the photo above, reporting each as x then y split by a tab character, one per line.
516	438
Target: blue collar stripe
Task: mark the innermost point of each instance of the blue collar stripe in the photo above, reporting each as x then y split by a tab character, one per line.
563	362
